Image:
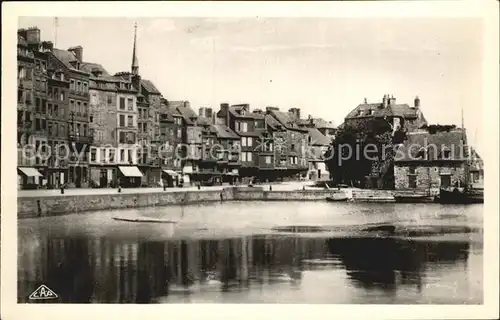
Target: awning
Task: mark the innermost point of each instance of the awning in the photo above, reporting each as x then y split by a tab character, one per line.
170	172
30	172
130	171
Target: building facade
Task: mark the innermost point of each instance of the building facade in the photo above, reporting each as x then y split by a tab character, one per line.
427	161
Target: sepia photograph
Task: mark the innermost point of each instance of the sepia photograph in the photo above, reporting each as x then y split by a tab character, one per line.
249	159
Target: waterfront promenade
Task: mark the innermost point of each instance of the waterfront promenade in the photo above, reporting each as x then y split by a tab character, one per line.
285	186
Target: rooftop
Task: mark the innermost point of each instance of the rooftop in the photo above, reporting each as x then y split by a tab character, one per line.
435	144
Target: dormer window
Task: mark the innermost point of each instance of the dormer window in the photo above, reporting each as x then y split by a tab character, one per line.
370	112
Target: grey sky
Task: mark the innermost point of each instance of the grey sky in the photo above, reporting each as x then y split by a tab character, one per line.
325	66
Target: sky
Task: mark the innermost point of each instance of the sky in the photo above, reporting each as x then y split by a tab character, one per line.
324	66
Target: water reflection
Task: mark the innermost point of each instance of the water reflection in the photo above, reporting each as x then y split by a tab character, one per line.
104	270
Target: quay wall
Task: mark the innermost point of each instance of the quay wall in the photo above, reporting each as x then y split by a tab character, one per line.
31	207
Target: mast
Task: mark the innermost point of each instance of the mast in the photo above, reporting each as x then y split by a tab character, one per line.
56	26
465	152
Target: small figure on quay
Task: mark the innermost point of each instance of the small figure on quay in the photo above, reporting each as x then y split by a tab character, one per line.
221	197
270	188
62	188
199	186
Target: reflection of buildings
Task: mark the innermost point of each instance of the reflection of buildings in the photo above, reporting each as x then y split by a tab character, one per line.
387	263
109	271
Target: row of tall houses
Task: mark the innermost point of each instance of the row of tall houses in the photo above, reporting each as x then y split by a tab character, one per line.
81	126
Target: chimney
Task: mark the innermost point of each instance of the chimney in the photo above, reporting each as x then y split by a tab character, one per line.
295	112
33	35
365	101
385	100
224	113
269	109
257	111
208	112
78	52
392	101
201	112
48	46
416	102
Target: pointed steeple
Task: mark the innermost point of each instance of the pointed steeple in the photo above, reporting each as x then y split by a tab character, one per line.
135	61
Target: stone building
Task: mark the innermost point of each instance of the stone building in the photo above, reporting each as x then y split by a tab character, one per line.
429	161
32	65
80	138
291	148
397	115
249	126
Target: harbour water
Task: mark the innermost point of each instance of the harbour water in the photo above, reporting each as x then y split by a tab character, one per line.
258	252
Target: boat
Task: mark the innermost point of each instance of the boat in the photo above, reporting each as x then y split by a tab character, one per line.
337	199
460	196
144	219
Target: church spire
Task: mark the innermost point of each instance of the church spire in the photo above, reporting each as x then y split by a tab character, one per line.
135	61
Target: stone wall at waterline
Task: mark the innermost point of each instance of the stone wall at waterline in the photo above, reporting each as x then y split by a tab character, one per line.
32	207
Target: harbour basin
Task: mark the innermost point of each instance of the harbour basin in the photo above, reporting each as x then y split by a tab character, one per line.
258	252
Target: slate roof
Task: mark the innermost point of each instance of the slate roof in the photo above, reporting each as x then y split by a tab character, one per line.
149	87
287	120
322	124
224	132
185	111
236	112
66	57
317	138
273	123
90	66
378	110
435	143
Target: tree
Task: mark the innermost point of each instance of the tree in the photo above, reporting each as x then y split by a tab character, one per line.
356	149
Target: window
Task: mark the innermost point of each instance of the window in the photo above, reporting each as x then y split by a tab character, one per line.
56	110
79	86
78	108
122	137
179	133
130	104
111	155
446	153
78	129
49	128
91	119
21	72
72	105
249	156
20	97
43	124
122	103
122	120
38	102
28	98
62	96
49	110
243	141
38	125
56	129
110	99
268	159
249	141
72	84
244	127
412	170
85	87
244	156
85	130
130	121
63	130
93	155
85	109
129	155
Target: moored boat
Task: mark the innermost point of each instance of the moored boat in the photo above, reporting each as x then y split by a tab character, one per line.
460	196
